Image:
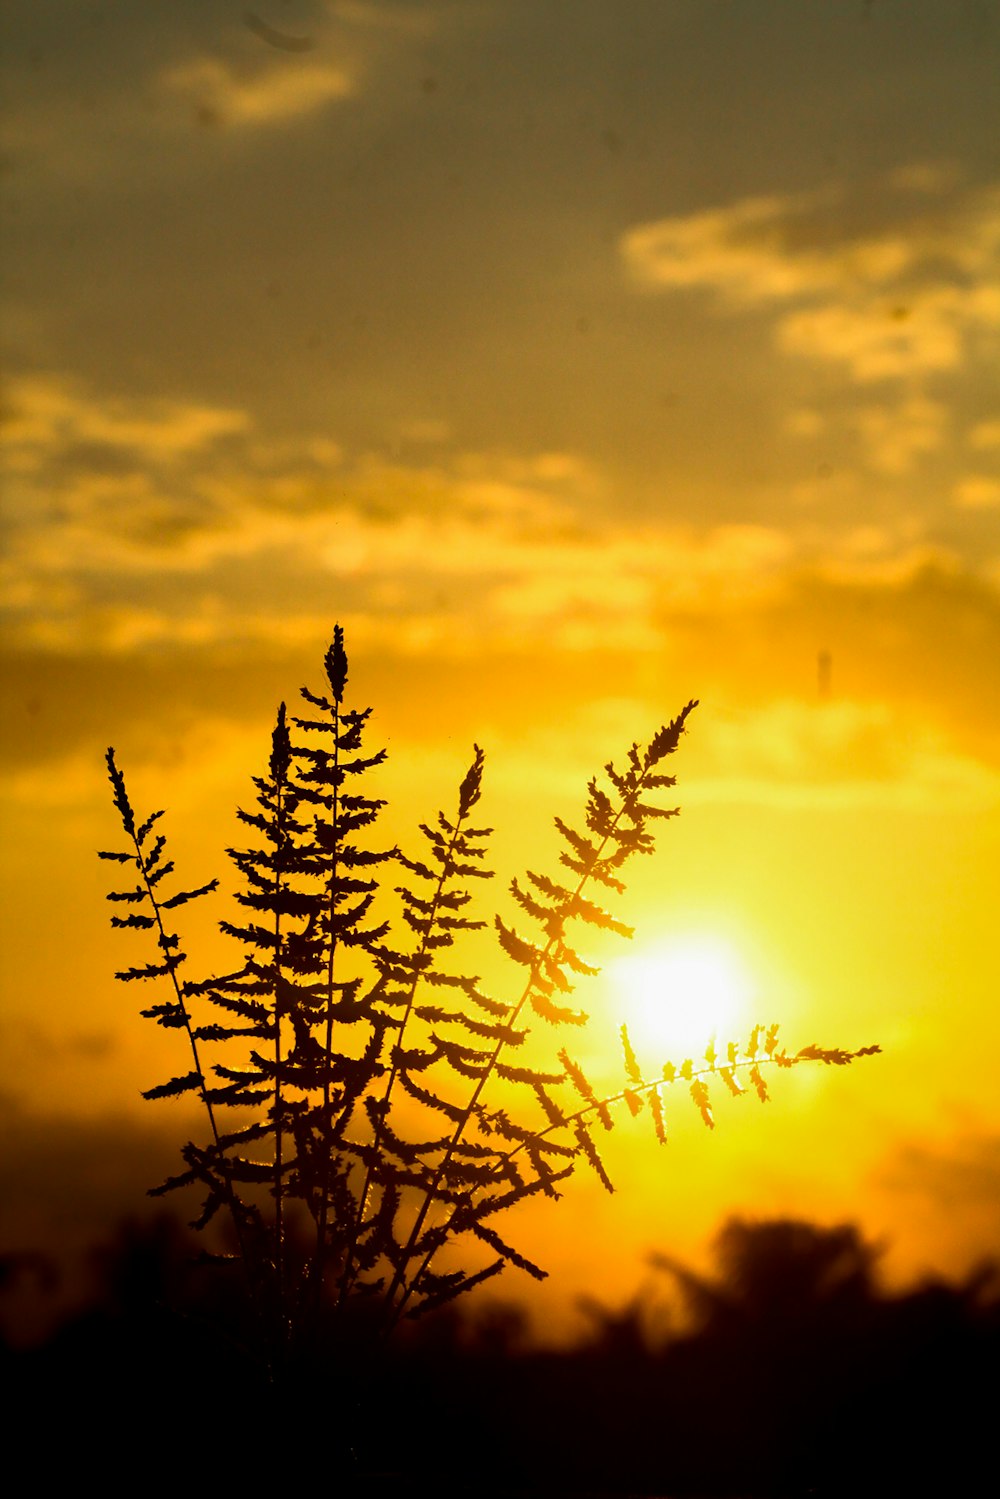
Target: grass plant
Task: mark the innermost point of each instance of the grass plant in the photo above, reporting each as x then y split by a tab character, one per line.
372	1112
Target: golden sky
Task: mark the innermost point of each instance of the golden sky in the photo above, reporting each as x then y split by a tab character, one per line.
579	359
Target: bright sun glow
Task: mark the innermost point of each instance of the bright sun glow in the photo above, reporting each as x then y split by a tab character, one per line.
676	997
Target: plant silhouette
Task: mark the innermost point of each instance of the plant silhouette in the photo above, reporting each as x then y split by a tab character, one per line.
386	1112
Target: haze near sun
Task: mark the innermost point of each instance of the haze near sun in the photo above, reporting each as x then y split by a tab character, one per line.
677	995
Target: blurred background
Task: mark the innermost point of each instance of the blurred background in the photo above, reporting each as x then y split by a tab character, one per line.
579	360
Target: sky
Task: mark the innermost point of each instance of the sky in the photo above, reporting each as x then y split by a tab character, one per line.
580	360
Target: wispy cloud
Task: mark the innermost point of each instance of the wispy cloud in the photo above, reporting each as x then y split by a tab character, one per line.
978	492
986	435
47	415
881	303
132	521
409	19
896	436
875	337
796	754
268	93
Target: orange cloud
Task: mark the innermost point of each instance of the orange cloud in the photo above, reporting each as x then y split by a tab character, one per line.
270	93
882	304
47	413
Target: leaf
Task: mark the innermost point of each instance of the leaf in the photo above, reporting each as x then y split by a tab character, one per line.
540	913
183	896
526	1075
575	963
148	971
554	1014
471	787
213	1202
700	1095
593	915
335	662
631	1065
172	1015
134	896
175	1086
759	1084
585	851
557	893
281	749
729	1078
494	1240
582	1085
514	946
172	1183
656	1109
141	835
120	794
833	1056
216	1032
667	739
452	1111
453	1287
590	1151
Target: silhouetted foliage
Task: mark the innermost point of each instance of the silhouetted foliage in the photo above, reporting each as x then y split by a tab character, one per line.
793	1373
385	1108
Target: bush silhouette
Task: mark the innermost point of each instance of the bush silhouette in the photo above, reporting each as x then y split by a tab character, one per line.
386	1116
835	1387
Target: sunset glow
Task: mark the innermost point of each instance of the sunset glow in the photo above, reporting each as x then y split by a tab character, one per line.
581	362
678	997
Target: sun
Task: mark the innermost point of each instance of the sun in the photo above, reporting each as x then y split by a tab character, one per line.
676	997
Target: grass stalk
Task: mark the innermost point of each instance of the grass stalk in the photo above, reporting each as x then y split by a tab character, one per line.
395	1310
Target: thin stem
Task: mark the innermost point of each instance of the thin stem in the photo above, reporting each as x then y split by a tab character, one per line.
279	1224
170	959
348	1279
324	1210
395	1312
642	1088
646	1086
178	989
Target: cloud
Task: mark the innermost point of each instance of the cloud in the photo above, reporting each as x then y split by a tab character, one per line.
111	495
64	1178
878	339
46	414
895	437
408	19
985	435
879	302
978	492
955	1173
429	430
137	525
796	754
269	93
805	422
25	1043
739	252
950	1189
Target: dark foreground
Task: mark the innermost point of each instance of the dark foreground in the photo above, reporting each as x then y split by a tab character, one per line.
794	1376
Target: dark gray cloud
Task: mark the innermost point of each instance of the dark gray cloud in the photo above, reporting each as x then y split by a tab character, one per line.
951	1189
67	1175
441	240
24	1042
